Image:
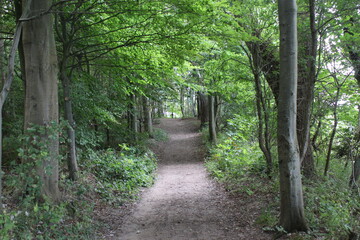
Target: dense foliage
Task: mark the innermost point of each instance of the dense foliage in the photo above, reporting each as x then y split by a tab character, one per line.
122	64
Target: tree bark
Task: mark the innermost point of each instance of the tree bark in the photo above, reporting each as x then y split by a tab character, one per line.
160	112
355	173
133	116
147	116
333	132
68	112
291	203
305	90
69	117
182	101
269	65
2	61
194	103
263	119
203	108
212	122
19	14
41	97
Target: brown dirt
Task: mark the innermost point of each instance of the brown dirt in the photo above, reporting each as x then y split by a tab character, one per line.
184	203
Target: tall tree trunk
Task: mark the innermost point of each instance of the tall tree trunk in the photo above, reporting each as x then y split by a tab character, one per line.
198	106
291	203
305	90
147	116
19	13
269	64
355	173
203	109
182	101
333	131
160	112
194	103
217	107
133	116
316	135
41	99
69	116
2	61
263	120
212	122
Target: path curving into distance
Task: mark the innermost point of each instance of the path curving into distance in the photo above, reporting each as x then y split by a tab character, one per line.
184	203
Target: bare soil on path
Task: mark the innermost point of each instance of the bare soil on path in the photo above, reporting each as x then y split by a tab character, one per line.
185	203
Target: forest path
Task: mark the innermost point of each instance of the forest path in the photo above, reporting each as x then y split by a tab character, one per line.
184	203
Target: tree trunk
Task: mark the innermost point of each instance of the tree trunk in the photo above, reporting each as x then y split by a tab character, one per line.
198	106
68	112
41	99
194	103
316	135
2	61
217	106
266	55
263	120
333	132
147	116
212	122
291	203
203	109
160	112
305	90
182	101
2	79
19	13
133	116
355	173
69	117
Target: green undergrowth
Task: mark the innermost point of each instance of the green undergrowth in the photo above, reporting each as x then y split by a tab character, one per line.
121	173
111	176
233	157
332	209
27	214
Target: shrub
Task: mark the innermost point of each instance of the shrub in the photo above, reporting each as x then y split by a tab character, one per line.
120	173
233	157
26	214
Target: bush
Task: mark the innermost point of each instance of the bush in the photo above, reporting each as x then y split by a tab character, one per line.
29	215
120	173
233	157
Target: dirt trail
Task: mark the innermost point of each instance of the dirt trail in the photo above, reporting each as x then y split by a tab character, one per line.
184	203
